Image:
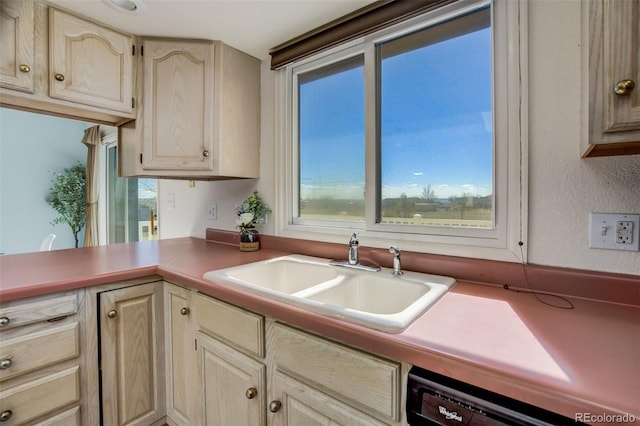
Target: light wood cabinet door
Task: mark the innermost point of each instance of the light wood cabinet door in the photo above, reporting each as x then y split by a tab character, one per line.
178	105
232	385
132	355
299	404
612	36
180	356
89	64
16	51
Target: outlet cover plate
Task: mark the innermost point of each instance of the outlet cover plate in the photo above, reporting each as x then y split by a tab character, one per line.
604	231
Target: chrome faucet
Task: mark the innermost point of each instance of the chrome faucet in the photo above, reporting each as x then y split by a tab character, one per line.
353	261
397	269
353	250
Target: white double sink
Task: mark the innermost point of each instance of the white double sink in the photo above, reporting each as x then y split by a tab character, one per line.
377	300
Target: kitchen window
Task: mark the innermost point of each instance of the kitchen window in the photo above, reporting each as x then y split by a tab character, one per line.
412	135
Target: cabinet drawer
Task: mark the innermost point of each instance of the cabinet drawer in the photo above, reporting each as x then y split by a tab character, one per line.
360	379
36	398
28	313
35	350
237	327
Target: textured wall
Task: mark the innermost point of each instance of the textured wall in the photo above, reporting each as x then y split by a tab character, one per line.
564	188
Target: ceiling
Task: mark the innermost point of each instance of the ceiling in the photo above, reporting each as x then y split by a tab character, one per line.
253	26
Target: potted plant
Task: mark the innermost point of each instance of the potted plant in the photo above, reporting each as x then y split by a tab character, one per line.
251	212
68	198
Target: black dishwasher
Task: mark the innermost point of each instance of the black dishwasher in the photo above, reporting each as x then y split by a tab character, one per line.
433	399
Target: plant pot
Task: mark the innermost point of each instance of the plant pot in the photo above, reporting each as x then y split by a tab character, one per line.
249	239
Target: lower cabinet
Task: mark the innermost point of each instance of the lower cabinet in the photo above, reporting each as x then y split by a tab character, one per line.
232	385
41	361
132	355
256	371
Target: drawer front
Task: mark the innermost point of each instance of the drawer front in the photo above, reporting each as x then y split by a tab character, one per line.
35	350
39	397
27	313
365	381
237	327
69	417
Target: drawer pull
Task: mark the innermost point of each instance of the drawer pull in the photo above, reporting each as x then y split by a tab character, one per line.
5	363
59	77
185	311
275	406
25	68
112	313
4	321
56	319
251	393
5	415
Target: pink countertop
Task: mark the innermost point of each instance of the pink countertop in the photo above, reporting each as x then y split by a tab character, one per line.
584	360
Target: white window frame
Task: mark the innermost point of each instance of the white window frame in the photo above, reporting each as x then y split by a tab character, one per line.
509	38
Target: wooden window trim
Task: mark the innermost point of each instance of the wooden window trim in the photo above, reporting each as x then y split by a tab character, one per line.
362	22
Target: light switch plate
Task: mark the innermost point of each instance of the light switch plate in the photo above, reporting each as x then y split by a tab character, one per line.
614	231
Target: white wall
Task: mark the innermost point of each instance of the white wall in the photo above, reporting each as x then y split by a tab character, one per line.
563	188
32	148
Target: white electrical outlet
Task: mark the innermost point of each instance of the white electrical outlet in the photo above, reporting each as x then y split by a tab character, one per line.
614	231
212	211
624	232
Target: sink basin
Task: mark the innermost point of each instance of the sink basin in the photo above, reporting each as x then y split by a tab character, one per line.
377	300
287	274
383	302
381	295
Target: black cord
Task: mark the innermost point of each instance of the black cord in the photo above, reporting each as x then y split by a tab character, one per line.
537	294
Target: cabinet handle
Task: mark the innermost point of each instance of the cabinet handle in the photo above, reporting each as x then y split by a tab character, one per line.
624	87
25	68
205	153
185	311
59	77
5	415
5	363
112	313
251	393
274	406
4	321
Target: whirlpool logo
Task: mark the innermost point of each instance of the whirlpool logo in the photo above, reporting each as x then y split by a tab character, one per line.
449	415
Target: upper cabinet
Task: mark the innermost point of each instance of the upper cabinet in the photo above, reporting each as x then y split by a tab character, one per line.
16	55
89	64
198	115
58	63
612	48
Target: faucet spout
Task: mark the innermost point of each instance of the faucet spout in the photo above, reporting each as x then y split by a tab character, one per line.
353	249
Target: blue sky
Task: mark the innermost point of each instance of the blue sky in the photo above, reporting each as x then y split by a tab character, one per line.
436	124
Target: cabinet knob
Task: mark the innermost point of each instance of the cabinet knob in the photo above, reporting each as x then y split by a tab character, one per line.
251	393
5	363
25	68
624	87
275	406
185	311
5	415
4	321
112	313
59	77
205	153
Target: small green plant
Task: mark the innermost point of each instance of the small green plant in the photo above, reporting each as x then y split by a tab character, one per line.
252	211
68	198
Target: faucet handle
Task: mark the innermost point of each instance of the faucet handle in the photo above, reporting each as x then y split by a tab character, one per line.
394	251
353	241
